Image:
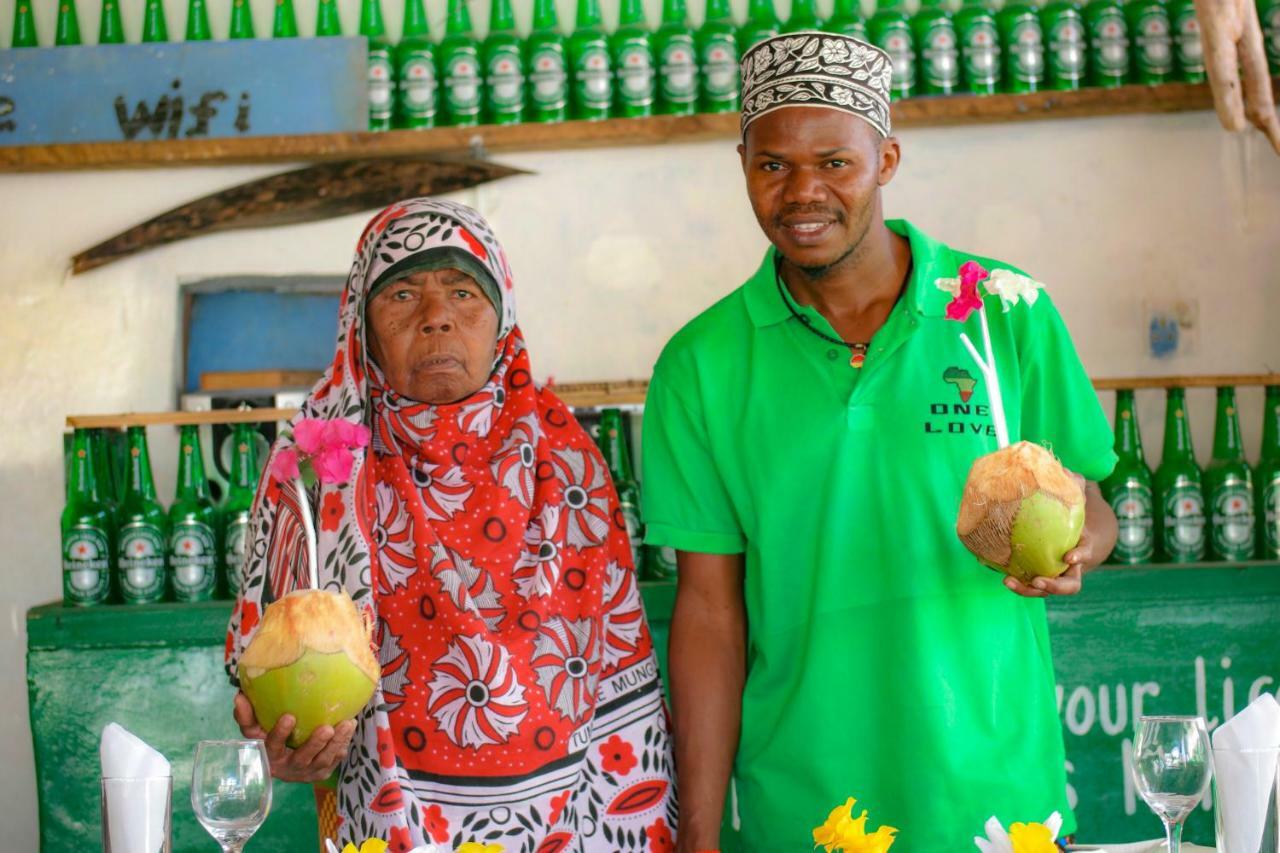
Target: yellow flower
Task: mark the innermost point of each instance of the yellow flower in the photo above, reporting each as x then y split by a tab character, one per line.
370	845
1031	838
842	831
477	847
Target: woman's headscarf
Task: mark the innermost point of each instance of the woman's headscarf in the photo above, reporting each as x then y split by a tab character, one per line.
519	699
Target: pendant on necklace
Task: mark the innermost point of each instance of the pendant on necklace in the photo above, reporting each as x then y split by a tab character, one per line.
857	360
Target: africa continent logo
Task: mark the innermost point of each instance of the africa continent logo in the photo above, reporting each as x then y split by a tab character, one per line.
962	379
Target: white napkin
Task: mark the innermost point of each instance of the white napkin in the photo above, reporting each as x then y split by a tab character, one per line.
1246	780
137	808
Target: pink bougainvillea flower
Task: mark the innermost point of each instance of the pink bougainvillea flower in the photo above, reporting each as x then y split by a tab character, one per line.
345	433
972	272
333	464
285	465
966	302
309	435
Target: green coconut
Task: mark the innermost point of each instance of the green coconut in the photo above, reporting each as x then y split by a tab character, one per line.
311	658
1021	512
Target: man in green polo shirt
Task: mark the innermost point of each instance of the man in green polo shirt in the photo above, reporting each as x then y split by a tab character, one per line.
806	444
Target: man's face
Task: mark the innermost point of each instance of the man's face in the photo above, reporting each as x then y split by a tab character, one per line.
814	178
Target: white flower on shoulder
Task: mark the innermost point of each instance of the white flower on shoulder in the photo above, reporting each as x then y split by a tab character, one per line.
1021	837
948	285
1011	287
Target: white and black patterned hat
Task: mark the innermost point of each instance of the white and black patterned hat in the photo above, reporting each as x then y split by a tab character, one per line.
813	69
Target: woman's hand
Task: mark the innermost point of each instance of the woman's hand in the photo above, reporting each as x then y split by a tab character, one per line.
1096	542
314	761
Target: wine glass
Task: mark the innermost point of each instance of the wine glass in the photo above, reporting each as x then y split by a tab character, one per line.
1172	765
231	790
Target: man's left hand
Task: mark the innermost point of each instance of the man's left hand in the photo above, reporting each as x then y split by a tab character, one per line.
1096	541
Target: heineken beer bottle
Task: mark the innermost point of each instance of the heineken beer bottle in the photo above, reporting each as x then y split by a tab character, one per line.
677	68
143	530
105	472
846	19
718	60
1023	42
154	27
1108	43
1062	23
197	21
631	49
380	79
1188	49
548	66
239	503
890	31
284	24
193	526
502	58
613	446
24	25
241	20
460	67
762	23
1228	486
417	95
1269	16
1179	495
68	28
803	17
1267	482
110	25
591	89
939	52
87	531
1152	43
979	48
1128	489
327	21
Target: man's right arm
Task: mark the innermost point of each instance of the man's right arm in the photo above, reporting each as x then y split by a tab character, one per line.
707	671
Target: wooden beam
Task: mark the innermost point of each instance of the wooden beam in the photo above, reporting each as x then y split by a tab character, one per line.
217	416
1231	380
242	380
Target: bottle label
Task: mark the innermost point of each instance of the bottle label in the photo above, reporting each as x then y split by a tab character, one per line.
679	73
192	557
593	79
1184	539
418	84
86	565
1027	48
1067	45
1154	44
505	80
380	80
897	42
941	55
462	82
720	68
141	562
635	533
662	561
237	542
1190	48
1111	43
550	81
635	73
1232	502
1134	507
982	51
1271	513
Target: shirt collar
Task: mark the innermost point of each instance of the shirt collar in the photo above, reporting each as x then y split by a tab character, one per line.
931	260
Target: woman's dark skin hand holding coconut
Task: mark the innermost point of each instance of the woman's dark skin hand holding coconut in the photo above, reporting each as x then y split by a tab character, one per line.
433	335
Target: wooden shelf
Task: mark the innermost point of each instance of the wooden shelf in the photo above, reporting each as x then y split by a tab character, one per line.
1235	381
911	113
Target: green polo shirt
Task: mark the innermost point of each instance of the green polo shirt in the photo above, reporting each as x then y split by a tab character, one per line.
884	662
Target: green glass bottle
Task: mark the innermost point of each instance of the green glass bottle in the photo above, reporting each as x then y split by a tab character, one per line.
239	504
979	48
381	79
1267	479
241	20
803	17
1228	486
417	92
933	29
110	25
674	50
548	64
88	531
660	562
1062	23
502	57
890	30
140	550
1179	489
284	25
762	23
1129	489
459	54
24	25
1108	33
328	23
1150	29
198	22
68	28
1188	48
1269	17
105	471
591	92
716	43
154	27
1022	40
631	49
613	447
846	19
193	526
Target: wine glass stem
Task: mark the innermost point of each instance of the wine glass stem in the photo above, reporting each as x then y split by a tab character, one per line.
1173	832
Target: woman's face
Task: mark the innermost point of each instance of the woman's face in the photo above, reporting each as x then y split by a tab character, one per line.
434	335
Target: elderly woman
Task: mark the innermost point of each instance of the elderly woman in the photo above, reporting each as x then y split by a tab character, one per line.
519	701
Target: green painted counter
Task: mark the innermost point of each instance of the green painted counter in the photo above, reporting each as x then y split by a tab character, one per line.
1199	639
